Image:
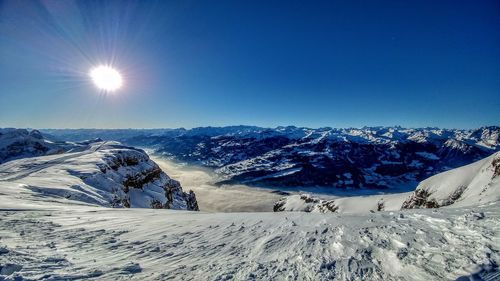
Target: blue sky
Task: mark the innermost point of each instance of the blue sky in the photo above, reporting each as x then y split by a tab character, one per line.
266	63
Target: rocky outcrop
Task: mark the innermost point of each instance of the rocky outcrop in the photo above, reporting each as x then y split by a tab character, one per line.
420	199
496	166
305	203
142	182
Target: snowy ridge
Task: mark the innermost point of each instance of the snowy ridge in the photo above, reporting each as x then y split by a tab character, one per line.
105	174
344	205
471	185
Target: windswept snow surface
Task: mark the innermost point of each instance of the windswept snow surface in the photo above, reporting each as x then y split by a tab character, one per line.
75	242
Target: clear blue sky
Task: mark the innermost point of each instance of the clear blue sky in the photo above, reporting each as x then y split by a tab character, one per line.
266	63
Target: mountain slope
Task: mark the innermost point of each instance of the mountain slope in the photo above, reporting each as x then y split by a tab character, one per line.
471	185
104	174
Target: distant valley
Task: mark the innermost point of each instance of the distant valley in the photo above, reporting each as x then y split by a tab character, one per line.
351	158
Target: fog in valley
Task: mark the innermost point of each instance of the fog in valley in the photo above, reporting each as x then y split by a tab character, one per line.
213	198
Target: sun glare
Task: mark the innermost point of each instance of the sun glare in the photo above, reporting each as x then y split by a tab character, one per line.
106	78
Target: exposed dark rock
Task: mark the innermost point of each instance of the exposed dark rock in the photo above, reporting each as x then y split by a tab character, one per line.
454	196
156	204
496	167
142	178
311	204
308	198
380	206
191	201
279	206
419	199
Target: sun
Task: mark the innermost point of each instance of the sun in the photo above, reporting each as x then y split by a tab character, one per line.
106	78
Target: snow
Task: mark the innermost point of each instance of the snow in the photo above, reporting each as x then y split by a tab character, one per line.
54	225
344	205
416	163
106	174
428	155
75	242
468	185
471	185
19	143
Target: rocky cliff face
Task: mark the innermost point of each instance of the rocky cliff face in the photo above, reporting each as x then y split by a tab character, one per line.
138	174
99	173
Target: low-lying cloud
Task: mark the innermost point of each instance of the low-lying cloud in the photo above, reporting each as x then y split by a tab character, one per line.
225	198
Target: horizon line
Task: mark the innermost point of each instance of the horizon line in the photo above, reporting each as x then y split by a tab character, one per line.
254	126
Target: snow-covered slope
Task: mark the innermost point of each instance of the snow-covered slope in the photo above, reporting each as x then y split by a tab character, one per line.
104	174
89	243
346	205
471	185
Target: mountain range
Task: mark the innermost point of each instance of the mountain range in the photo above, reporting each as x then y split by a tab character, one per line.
56	222
350	158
